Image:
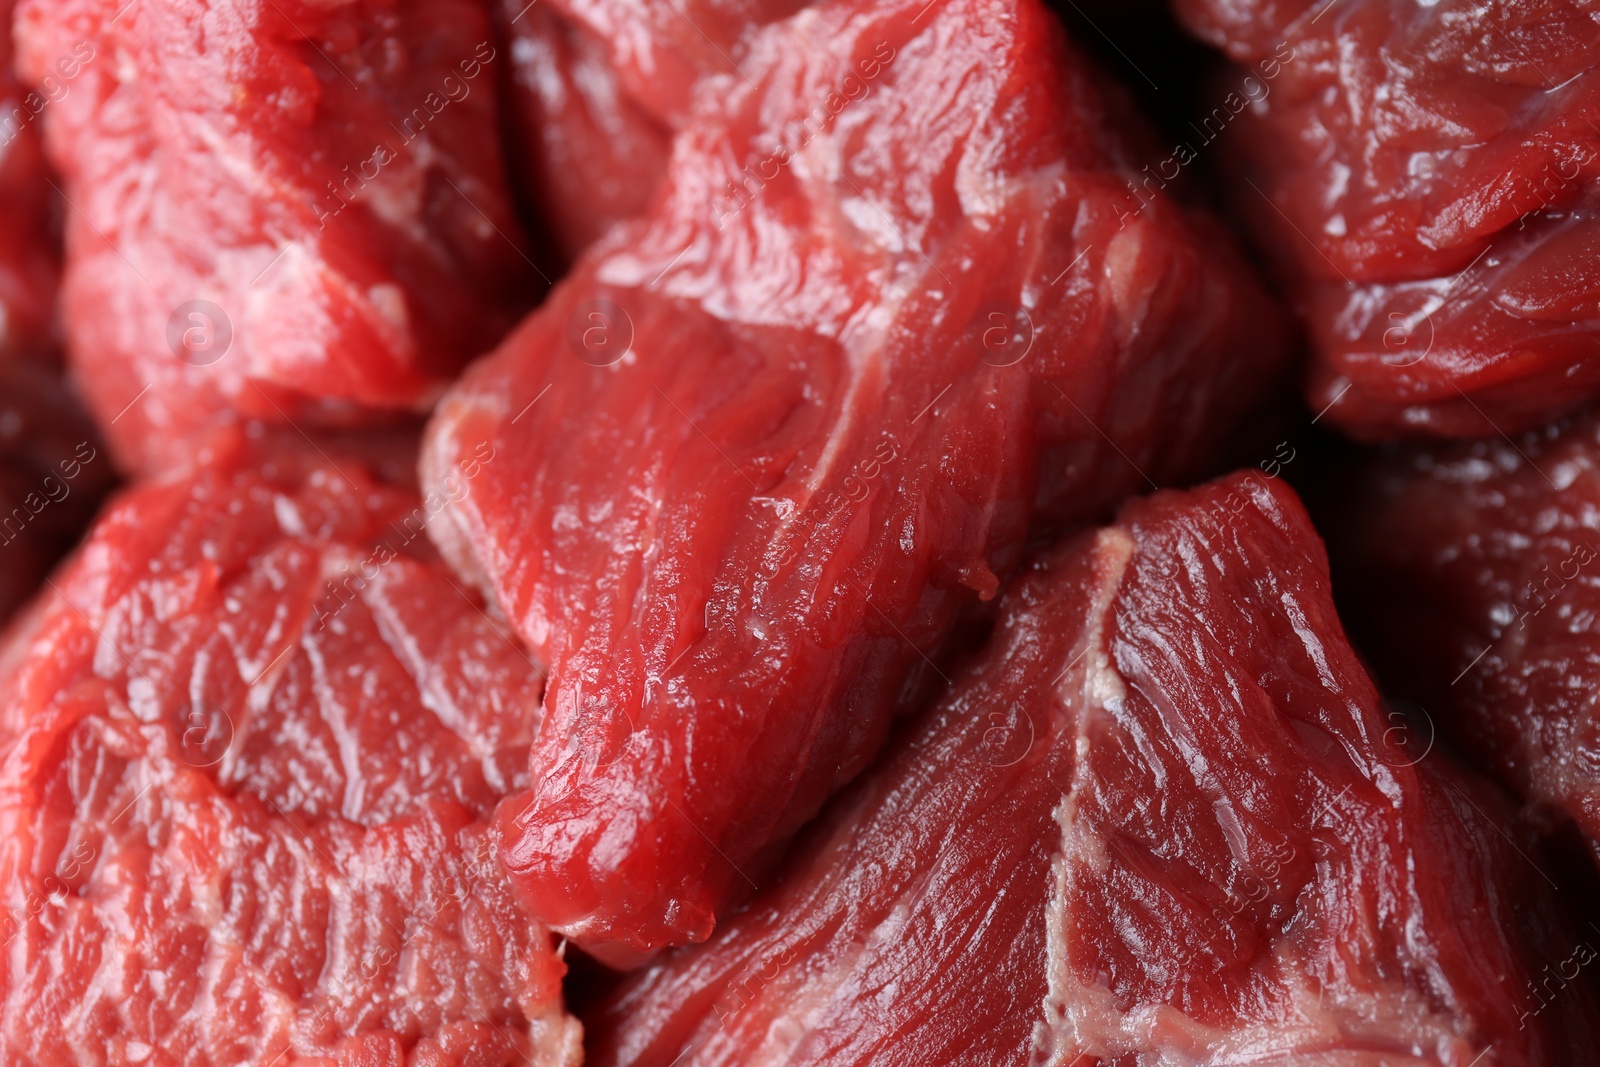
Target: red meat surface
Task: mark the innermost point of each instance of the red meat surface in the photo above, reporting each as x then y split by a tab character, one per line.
252	737
761	449
1163	818
1425	175
1475	568
659	52
53	475
590	154
28	256
280	209
601	86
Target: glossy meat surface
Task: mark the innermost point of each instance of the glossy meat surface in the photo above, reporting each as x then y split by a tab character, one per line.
765	445
279	210
53	475
1426	176
251	740
28	256
1161	819
1476	570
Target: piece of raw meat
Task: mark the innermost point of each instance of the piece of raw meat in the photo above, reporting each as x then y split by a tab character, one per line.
763	447
1487	556
658	53
280	209
1162	819
29	260
53	475
251	740
601	86
1425	176
589	153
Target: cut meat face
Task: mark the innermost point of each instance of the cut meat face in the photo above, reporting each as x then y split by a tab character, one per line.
896	305
1488	559
1162	819
252	737
279	209
1427	175
53	475
29	261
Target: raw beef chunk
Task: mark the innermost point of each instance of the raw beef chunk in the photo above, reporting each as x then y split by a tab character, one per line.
1475	568
252	737
1426	174
765	445
28	257
1162	819
280	209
